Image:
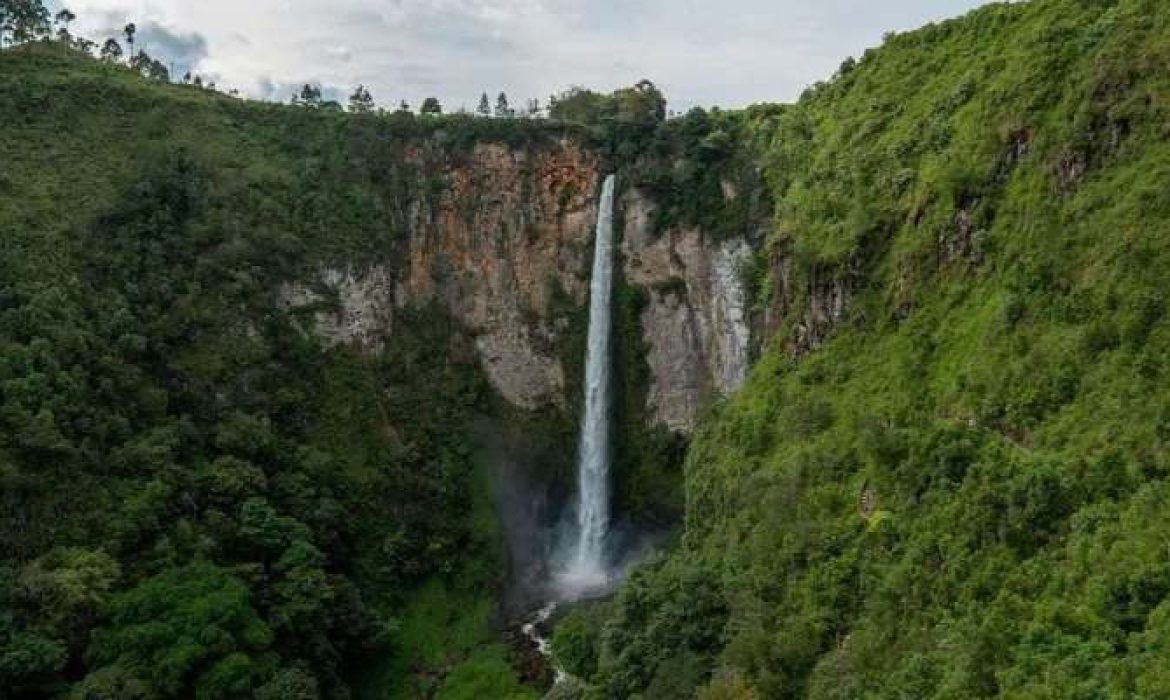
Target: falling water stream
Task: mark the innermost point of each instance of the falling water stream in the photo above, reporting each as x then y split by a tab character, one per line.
587	568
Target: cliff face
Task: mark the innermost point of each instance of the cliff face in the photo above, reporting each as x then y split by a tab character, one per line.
508	228
695	324
490	240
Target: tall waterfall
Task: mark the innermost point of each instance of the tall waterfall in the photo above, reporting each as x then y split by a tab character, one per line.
587	567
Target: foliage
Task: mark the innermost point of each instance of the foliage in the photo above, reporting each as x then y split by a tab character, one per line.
576	642
446	649
958	491
647	458
189	626
22	20
200	498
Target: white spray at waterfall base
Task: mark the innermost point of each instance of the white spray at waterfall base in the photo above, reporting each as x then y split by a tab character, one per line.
586	570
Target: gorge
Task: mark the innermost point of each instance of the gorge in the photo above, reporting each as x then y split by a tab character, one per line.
303	403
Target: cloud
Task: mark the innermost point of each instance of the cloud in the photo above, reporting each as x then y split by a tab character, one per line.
282	91
182	52
730	53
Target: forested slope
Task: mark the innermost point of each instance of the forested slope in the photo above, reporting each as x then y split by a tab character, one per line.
947	476
206	490
198	494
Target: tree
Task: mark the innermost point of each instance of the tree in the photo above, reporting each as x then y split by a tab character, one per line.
62	19
129	30
149	67
69	585
309	96
642	104
502	108
111	50
6	22
193	625
289	684
485	108
158	71
65	16
29	660
361	102
21	20
533	108
404	106
578	104
431	106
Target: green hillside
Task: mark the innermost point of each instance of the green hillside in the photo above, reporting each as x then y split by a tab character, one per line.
961	491
946	477
196	495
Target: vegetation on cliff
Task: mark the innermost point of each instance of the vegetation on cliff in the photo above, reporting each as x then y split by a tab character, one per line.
197	495
946	477
954	483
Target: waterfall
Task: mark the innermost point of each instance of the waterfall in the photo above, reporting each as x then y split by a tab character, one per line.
587	568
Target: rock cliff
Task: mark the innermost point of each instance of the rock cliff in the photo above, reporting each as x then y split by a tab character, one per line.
695	324
509	227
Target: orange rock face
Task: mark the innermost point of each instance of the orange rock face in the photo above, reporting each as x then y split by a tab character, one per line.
509	225
493	232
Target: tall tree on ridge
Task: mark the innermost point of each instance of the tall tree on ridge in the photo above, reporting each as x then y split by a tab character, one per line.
129	30
111	50
309	96
361	101
502	108
63	18
485	108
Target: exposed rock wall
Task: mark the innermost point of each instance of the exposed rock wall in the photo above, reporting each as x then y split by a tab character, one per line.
509	225
696	324
815	302
505	225
350	307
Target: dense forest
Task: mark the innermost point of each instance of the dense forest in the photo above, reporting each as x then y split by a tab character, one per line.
953	483
946	476
200	494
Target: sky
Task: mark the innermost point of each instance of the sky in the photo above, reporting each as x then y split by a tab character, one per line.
729	53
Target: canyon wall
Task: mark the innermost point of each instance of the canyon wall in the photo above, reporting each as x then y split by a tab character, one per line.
695	323
509	232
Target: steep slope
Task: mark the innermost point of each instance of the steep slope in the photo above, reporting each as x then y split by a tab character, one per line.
947	476
256	362
200	495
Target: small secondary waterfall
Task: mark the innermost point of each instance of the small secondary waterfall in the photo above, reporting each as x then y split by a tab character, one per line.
587	567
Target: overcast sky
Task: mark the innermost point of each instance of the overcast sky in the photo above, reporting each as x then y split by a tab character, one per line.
717	52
